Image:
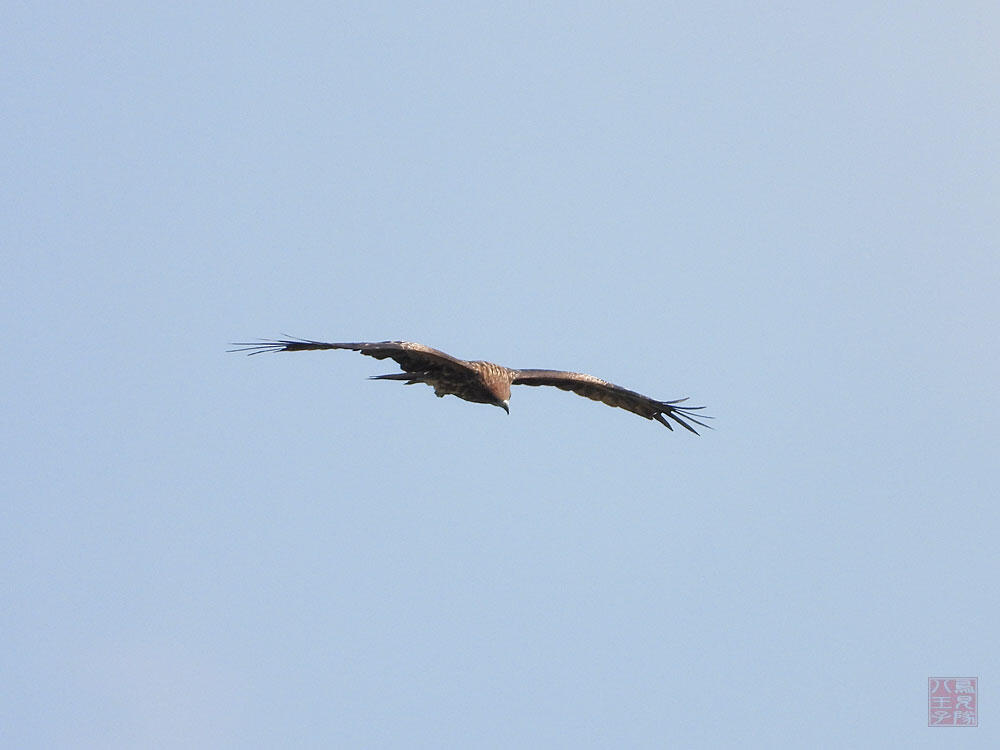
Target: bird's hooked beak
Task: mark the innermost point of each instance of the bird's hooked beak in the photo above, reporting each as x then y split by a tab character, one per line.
505	405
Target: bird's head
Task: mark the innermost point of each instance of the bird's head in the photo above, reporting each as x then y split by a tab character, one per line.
499	393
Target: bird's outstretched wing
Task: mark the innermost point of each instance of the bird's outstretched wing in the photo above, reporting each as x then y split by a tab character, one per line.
615	395
411	357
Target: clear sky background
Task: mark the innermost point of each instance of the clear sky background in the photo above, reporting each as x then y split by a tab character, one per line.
788	213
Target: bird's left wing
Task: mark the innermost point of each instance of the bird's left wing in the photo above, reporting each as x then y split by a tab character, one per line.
615	395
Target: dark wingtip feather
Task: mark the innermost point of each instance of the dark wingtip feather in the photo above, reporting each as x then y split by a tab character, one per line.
659	418
290	344
258	347
681	413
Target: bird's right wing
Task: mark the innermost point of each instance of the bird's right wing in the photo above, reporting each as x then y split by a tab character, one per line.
410	356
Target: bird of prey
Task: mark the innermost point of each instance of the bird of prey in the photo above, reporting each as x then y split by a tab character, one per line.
489	383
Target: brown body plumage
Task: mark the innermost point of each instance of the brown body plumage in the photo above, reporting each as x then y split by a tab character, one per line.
489	383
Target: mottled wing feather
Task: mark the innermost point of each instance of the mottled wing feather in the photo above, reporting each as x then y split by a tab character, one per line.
410	356
614	395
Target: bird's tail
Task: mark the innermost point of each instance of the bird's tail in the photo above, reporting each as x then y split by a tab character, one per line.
409	377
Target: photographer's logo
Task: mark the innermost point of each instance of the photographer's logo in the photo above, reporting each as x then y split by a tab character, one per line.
952	701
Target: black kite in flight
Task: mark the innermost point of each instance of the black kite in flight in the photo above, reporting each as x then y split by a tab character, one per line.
488	383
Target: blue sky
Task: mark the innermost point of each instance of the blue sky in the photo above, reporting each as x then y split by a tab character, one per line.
789	214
